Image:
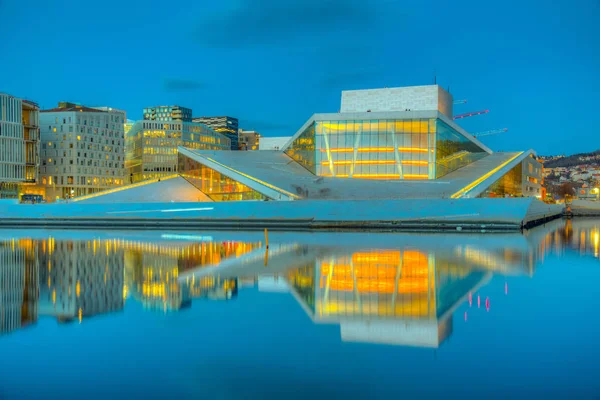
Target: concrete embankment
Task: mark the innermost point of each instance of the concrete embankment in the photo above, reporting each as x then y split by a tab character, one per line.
585	208
408	215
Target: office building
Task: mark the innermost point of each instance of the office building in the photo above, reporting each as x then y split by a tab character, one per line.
248	140
227	126
168	113
19	146
151	145
82	150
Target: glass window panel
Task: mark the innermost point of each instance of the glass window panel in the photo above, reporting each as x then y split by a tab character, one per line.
509	185
453	150
302	150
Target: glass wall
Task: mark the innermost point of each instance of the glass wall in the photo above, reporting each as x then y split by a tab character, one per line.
383	149
303	149
214	184
453	150
510	185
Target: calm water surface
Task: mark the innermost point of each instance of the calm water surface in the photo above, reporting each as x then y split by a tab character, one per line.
215	315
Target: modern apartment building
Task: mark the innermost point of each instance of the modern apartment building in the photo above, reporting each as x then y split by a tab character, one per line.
83	150
19	146
248	140
168	113
227	126
151	146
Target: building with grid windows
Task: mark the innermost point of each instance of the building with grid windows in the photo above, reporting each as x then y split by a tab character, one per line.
82	150
151	146
227	126
168	113
19	146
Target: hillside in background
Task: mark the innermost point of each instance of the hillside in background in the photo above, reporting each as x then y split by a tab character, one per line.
576	159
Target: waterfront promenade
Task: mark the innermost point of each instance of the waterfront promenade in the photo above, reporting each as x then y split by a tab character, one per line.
483	214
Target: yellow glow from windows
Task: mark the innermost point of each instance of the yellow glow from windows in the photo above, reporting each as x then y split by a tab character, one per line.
78	289
412	150
376	162
361	162
377	150
78	137
80	314
377	176
409	162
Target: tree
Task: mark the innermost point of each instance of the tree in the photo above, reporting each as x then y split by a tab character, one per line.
566	189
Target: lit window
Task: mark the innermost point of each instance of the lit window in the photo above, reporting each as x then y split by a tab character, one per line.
78	137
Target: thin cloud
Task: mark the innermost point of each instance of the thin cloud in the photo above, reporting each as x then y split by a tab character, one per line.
272	22
350	78
180	85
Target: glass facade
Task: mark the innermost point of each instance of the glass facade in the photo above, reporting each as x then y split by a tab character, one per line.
151	147
303	149
453	150
510	185
214	184
383	149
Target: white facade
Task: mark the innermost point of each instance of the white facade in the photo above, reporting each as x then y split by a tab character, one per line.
83	150
12	145
273	143
411	98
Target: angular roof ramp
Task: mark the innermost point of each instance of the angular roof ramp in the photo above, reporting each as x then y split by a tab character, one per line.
479	185
265	188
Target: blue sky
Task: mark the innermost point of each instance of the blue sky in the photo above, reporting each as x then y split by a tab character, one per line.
273	63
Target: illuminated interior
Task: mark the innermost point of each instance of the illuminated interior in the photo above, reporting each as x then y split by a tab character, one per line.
509	185
383	284
383	149
214	184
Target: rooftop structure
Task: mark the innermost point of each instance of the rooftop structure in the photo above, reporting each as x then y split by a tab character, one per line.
273	143
410	98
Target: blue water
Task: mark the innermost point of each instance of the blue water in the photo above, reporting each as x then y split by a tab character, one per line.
213	315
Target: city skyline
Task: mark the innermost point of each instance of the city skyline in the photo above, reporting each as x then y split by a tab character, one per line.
295	59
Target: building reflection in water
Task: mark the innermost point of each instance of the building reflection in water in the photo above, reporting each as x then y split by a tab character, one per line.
152	272
80	279
19	290
405	295
393	297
